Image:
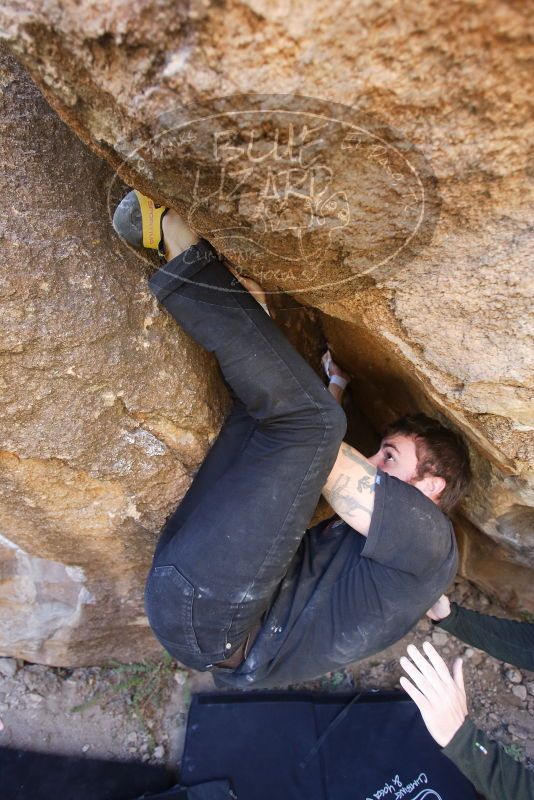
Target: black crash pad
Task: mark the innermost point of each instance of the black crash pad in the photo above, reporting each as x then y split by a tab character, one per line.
318	747
26	775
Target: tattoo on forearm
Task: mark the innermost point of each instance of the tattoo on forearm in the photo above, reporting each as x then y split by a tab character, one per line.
360	460
343	497
365	484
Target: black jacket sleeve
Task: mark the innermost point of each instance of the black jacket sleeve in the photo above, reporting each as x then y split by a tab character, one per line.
492	772
505	639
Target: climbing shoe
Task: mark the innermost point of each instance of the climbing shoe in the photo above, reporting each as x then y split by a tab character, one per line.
138	221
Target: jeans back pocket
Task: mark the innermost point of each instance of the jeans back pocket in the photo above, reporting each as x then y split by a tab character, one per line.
169	606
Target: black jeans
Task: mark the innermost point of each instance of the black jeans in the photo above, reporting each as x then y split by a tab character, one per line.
224	551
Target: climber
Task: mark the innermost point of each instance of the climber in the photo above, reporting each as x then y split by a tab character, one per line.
239	586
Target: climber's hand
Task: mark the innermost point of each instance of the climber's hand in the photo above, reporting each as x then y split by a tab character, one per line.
331	368
250	285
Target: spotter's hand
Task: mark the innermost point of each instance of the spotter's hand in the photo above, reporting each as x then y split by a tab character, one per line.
440	609
439	696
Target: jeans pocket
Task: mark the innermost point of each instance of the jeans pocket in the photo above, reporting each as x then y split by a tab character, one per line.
169	606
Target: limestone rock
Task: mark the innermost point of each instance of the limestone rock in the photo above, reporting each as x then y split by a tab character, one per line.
440	638
8	667
520	692
107	406
514	676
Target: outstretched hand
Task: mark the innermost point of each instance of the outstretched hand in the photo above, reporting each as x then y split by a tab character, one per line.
440	609
439	696
331	368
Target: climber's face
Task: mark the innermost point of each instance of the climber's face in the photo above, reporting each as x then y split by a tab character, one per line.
398	457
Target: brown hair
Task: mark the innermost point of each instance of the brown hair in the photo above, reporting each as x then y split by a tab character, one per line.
440	451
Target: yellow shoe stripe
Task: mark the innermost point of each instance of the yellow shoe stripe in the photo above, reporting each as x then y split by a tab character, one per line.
151	218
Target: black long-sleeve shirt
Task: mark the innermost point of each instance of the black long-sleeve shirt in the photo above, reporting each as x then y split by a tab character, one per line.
493	773
505	639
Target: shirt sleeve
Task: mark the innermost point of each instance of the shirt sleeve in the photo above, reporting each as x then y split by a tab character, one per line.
505	639
493	773
408	531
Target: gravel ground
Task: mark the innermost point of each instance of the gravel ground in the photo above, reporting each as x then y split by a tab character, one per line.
139	711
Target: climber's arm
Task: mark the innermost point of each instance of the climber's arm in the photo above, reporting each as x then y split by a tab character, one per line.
350	488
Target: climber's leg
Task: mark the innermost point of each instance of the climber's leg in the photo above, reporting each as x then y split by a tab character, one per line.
234	434
211	582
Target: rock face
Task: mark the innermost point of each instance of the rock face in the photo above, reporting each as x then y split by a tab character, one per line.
107	406
369	159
